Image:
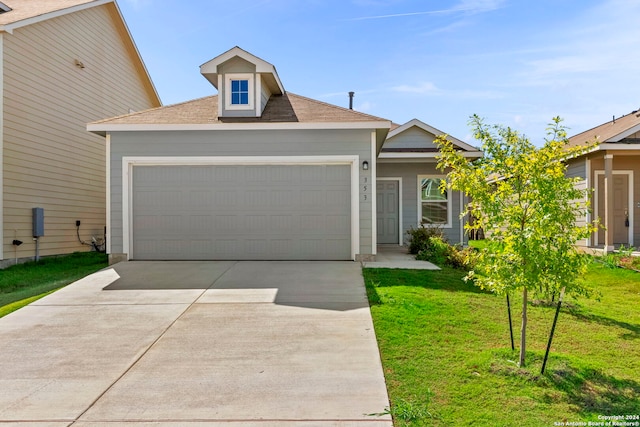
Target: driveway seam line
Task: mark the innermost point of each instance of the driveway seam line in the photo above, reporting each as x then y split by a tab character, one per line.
218	278
135	362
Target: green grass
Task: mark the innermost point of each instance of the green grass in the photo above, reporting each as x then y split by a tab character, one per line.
448	361
10	308
20	284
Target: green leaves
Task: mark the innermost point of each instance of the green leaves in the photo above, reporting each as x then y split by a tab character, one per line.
526	206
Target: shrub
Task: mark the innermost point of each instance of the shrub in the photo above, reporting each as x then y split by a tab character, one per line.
435	248
623	258
436	251
462	258
419	238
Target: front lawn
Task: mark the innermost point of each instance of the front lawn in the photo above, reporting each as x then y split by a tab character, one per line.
24	283
448	361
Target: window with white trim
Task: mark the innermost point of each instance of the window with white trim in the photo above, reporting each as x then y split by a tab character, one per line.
239	92
434	206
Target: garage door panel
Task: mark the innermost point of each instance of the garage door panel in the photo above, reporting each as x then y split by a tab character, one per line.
283	223
337	198
227	224
284	198
199	198
242	212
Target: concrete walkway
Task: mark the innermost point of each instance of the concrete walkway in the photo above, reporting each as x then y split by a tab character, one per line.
198	344
395	256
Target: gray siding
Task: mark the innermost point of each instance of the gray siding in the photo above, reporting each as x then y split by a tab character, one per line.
409	173
265	94
413	137
241	143
233	66
577	168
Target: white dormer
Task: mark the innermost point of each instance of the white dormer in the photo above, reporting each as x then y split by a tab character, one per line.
244	82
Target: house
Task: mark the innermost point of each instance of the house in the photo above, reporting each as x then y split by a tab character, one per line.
64	63
257	172
408	185
611	170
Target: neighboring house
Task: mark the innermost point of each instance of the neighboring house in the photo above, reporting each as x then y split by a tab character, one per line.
612	171
64	63
257	172
408	185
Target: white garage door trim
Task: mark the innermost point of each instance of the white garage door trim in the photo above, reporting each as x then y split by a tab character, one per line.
129	162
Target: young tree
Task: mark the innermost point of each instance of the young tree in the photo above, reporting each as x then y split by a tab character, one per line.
521	198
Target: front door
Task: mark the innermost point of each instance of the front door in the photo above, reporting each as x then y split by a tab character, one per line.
621	212
388	211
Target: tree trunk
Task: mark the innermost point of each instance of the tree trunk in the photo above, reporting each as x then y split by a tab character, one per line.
523	329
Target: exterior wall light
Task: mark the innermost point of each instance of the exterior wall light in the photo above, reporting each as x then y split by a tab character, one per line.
365	166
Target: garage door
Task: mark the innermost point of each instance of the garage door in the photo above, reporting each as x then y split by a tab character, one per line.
242	212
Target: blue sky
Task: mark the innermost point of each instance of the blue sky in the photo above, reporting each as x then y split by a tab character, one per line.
516	63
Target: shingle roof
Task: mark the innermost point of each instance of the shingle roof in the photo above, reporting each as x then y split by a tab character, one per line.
25	9
286	108
607	132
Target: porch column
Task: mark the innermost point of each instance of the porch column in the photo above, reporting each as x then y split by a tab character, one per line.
608	203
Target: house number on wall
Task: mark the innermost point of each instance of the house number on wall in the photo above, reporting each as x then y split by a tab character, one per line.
365	187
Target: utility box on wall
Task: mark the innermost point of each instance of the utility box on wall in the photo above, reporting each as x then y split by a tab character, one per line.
38	222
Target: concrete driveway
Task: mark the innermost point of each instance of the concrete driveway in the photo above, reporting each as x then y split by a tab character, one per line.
196	344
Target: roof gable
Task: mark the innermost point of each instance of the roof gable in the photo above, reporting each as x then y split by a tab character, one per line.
432	133
27	12
614	131
212	68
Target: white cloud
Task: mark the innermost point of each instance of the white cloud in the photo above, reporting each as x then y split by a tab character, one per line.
601	41
421	88
477	6
465	6
365	107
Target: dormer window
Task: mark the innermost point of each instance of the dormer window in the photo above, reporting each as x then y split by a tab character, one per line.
239	92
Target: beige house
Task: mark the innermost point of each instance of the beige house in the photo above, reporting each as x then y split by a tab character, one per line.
64	63
612	171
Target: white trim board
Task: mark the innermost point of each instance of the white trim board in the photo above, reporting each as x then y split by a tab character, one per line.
388	155
400	224
449	223
588	194
374	196
597	173
251	92
128	162
433	131
108	194
106	127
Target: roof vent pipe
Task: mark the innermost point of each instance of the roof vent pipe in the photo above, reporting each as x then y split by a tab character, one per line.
351	100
